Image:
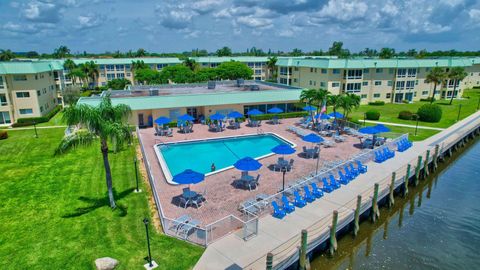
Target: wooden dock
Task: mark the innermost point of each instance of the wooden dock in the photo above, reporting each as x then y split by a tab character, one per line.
282	237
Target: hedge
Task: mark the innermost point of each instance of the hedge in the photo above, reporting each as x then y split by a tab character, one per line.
42	119
377	103
3	134
280	115
372	115
427	99
430	113
405	115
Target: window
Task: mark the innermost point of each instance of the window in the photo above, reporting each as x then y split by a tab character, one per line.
424	93
335	84
377	83
363	96
400	85
119	67
3	100
391	71
41	108
5	118
283	81
295	68
102	75
1	82
127	67
354	87
388	95
120	75
110	67
401	73
250	64
354	74
366	71
412	72
379	70
129	74
365	83
284	71
295	80
258	71
410	85
38	93
336	71
110	76
324	71
19	77
311	69
416	82
101	66
36	77
160	66
389	83
23	94
376	95
26	111
322	84
428	69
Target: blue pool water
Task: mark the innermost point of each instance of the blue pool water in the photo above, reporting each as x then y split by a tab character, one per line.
199	155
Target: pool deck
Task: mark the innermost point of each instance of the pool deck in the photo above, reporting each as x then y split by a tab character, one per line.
222	198
282	237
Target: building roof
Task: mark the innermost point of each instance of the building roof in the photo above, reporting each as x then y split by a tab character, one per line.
217	59
376	63
195	100
124	61
30	67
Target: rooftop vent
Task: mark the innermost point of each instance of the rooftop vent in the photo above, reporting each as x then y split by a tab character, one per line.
211	84
240	82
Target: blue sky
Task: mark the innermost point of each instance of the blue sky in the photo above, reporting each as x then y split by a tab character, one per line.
173	26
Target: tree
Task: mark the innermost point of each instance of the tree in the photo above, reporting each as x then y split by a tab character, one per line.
91	70
118	84
435	76
137	65
457	74
32	54
105	122
61	52
334	101
141	53
338	50
206	74
296	52
348	102
176	74
147	76
225	51
68	64
412	53
234	70
71	95
272	67
6	55
190	63
315	97
77	73
386	53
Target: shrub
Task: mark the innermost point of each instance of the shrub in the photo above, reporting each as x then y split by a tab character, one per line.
405	115
42	119
430	113
3	134
429	99
377	103
280	115
372	115
405	101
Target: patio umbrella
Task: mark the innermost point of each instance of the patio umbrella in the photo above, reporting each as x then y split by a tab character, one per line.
309	108
217	116
162	120
322	116
312	138
336	115
369	130
235	114
254	112
186	117
381	128
188	177
275	110
247	164
283	149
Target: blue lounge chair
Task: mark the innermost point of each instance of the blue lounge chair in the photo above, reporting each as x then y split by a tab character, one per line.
326	186
348	173
316	191
277	211
299	201
353	170
379	157
287	205
335	184
361	168
343	178
388	153
308	195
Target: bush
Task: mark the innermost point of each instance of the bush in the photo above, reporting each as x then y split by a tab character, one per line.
427	99
372	115
405	115
3	134
430	113
42	119
405	101
377	103
281	115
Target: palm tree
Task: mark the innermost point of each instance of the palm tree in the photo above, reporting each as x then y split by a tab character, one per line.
77	73
6	55
271	66
141	52
435	76
348	102
314	97
190	63
136	65
334	101
91	70
105	122
457	74
61	52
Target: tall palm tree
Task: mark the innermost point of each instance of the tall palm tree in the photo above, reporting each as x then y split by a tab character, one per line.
6	55
348	102
271	66
136	65
105	122
141	52
61	52
436	76
314	97
77	73
92	71
190	63
334	101
457	74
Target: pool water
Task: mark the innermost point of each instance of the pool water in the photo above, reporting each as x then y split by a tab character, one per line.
223	152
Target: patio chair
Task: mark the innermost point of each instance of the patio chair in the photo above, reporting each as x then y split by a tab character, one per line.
354	171
178	222
343	179
379	158
307	194
299	201
318	193
277	211
326	186
389	153
254	182
316	151
158	131
290	165
333	182
360	167
287	205
305	151
348	173
188	228
168	132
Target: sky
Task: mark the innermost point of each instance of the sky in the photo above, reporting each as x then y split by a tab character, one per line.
182	25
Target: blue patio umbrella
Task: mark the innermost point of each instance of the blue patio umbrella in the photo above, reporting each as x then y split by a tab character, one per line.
312	138
217	116
186	117
336	114
235	114
309	108
283	149
247	164
254	112
188	177
275	110
323	116
369	130
162	120
381	128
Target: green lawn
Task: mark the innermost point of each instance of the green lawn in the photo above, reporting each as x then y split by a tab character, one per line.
54	213
389	112
56	120
422	134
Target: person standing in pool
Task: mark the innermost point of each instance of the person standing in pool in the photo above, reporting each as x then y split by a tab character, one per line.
212	168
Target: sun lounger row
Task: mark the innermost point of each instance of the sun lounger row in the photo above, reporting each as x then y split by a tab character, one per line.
383	154
298	131
403	145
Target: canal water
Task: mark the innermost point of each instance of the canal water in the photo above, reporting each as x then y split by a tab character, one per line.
437	226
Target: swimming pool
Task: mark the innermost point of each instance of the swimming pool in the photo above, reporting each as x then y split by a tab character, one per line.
199	155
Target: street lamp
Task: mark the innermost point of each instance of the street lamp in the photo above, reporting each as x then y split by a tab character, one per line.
151	264
459	110
35	128
136	173
416	125
284	171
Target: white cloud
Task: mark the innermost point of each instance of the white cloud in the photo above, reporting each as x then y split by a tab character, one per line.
206	6
474	15
253	22
342	10
90	20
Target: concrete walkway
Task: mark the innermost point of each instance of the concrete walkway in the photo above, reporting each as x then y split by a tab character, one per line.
402	125
30	127
282	237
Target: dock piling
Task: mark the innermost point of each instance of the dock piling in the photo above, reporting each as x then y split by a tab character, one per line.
303	251
357	216
375	211
435	157
391	199
417	170
406	180
426	164
333	233
269	261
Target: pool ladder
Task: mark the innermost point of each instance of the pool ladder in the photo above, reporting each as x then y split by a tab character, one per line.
162	144
260	131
